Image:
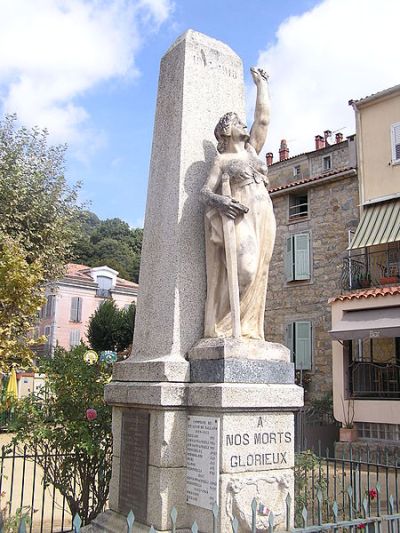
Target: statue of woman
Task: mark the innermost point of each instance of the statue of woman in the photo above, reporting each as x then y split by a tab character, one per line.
250	207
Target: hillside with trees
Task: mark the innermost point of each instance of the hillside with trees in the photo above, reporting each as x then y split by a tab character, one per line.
110	242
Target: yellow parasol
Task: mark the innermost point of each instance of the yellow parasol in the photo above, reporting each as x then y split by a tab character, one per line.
12	389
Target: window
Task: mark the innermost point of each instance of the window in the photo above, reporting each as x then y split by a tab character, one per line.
297	257
299	342
327	162
76	309
396	142
298	205
74	337
47	333
104	286
297	171
49	306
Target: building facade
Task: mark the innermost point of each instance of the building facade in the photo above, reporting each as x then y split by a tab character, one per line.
366	316
72	301
315	198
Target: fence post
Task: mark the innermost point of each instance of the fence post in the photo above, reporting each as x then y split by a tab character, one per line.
130	519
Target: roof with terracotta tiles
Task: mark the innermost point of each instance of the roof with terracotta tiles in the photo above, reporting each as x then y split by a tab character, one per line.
82	273
312	179
375	96
367	293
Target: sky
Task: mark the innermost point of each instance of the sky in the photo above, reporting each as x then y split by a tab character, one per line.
87	71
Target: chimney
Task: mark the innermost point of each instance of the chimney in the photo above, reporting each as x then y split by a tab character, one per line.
269	157
338	138
283	151
319	142
327	135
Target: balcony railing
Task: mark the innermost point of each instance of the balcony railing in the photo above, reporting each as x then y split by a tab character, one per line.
103	293
371	269
374	380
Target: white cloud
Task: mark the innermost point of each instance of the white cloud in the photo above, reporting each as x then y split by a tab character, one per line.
53	51
339	50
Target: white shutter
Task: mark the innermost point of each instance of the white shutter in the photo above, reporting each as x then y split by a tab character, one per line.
396	141
74	337
289	259
76	309
303	344
302	256
79	313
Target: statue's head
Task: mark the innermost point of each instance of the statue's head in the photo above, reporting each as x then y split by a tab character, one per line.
223	129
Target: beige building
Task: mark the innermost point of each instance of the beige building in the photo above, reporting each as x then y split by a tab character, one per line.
315	198
73	300
366	317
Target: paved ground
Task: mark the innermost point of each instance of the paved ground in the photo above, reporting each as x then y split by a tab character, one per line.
28	480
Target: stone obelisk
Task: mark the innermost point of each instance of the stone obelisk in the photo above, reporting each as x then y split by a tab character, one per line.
193	425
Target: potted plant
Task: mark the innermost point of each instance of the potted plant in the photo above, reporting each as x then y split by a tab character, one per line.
389	278
348	433
365	280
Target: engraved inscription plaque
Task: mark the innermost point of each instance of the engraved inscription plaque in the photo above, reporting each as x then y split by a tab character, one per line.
202	461
134	463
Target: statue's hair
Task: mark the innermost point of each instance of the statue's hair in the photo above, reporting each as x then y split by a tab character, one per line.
221	130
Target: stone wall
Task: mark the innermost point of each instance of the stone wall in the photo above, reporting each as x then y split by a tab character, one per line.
333	211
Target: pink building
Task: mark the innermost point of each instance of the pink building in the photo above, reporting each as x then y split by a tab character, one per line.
72	301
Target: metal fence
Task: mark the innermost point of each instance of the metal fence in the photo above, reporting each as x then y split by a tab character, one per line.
362	518
26	490
359	490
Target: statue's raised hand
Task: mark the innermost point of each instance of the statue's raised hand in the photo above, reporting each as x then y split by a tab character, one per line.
259	75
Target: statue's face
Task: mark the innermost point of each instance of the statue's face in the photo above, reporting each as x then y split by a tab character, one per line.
239	130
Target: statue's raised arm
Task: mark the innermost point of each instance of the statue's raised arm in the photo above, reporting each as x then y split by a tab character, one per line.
259	130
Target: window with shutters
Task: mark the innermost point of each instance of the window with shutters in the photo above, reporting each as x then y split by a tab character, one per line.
327	162
299	342
47	334
396	142
74	337
297	257
76	309
298	206
50	306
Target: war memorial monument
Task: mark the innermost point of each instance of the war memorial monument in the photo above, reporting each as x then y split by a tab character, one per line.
203	409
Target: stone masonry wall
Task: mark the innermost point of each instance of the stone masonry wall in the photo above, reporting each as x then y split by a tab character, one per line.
333	210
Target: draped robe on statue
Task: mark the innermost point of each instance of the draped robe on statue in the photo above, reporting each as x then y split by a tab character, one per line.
255	236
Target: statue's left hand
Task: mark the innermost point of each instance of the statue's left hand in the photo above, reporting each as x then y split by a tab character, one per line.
259	75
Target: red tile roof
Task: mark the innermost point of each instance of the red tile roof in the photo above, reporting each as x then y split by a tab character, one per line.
82	273
314	178
367	293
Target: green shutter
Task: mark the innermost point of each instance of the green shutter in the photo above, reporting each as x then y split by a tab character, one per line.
303	345
302	256
289	259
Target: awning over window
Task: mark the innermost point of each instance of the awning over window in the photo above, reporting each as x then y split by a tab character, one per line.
379	224
360	324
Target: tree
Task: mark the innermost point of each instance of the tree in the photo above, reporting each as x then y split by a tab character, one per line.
111	328
21	296
38	209
109	242
67	425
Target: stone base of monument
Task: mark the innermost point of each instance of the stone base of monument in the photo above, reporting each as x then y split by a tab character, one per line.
191	445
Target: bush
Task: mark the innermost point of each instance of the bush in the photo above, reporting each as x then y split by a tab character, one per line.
78	443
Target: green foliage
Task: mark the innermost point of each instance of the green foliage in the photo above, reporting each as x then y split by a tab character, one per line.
38	208
21	296
54	420
109	242
10	523
111	328
307	481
